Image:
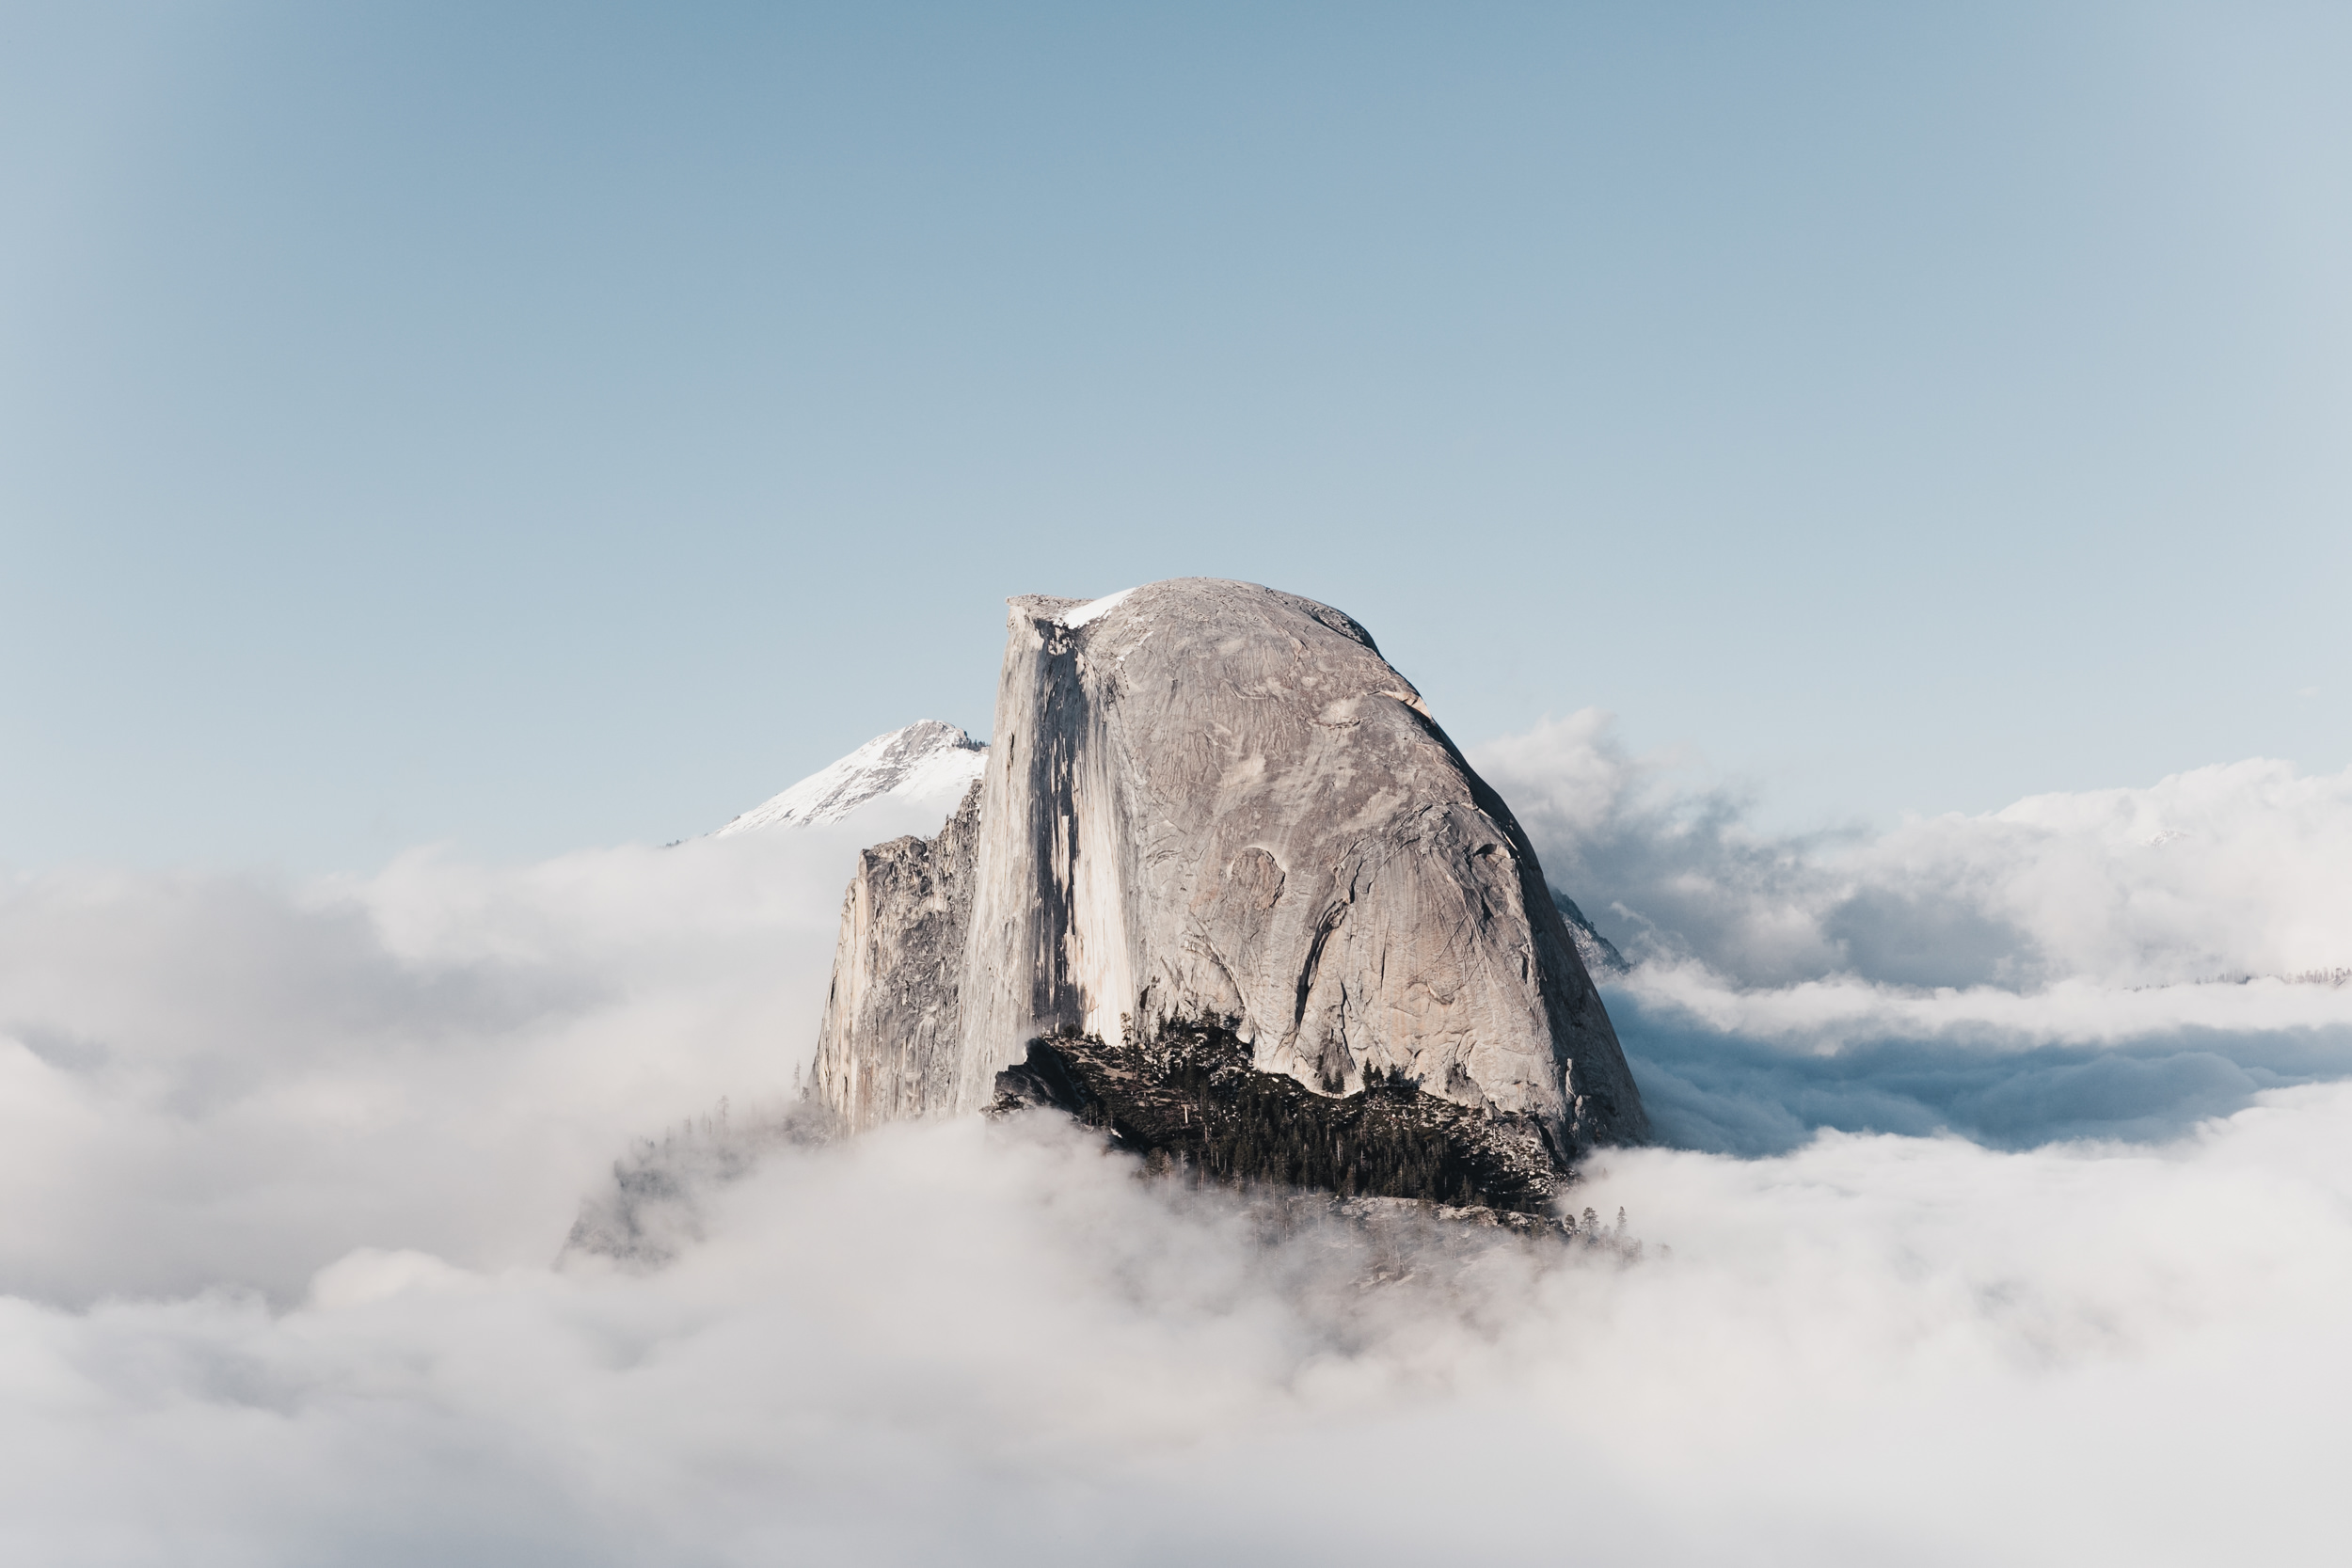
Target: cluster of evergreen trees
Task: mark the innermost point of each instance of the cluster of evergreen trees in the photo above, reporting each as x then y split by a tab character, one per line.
1190	1100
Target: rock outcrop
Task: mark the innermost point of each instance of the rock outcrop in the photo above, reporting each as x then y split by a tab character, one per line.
893	1038
1214	805
1598	953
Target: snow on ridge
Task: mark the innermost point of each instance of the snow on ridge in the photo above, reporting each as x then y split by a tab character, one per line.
926	762
1093	609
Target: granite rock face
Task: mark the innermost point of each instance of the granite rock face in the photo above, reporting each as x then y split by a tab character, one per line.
893	1033
1210	801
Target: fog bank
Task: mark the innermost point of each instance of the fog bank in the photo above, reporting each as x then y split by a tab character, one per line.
2043	1260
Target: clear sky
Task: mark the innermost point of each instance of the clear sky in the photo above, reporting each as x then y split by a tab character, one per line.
529	426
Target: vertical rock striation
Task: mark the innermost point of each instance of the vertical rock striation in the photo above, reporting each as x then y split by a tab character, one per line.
892	1032
1211	802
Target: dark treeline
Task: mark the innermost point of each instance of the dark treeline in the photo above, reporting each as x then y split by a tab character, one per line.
1190	1100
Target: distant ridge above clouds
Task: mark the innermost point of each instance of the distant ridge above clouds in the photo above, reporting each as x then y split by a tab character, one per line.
927	763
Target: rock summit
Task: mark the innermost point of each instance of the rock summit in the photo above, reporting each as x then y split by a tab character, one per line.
1214	824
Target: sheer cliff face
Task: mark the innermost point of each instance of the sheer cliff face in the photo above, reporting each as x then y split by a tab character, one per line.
892	1034
1212	800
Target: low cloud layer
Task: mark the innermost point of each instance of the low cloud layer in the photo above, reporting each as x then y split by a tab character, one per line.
213	1080
2219	873
978	1344
1747	1073
2120	963
2043	1261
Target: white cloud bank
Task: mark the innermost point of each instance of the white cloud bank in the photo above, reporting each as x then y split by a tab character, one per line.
209	1080
964	1343
285	1170
2118	963
2216	873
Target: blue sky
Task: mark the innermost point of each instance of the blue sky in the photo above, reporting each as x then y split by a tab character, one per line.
535	426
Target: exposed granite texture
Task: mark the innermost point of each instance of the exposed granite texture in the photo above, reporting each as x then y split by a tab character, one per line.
892	1032
1213	801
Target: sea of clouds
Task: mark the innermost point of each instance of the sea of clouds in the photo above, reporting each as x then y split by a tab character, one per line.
2120	963
2005	1214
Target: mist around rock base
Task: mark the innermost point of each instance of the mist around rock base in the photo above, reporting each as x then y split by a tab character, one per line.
2040	1258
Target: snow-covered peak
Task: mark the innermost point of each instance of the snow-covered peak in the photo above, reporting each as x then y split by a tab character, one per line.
927	763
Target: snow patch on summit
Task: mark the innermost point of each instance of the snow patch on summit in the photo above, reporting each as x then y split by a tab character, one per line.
1093	609
927	763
